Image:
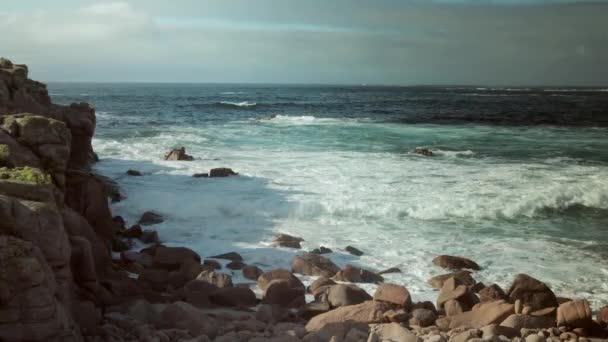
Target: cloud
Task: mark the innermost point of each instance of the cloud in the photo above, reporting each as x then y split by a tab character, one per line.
314	41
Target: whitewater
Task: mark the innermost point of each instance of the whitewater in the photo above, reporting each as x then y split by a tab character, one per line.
325	165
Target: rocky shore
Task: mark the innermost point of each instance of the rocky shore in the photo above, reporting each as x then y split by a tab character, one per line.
68	271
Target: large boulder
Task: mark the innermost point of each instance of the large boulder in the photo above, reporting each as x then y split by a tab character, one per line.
482	315
366	313
197	292
216	278
394	294
233	296
455	263
520	321
532	292
355	274
222	172
280	292
183	316
346	294
453	290
492	293
178	154
286	240
313	265
279	273
464	277
575	314
172	258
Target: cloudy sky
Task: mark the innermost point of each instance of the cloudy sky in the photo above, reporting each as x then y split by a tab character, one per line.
508	42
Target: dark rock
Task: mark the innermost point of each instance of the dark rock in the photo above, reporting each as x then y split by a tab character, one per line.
390	270
222	172
218	279
178	154
233	296
423	317
200	175
313	309
532	292
492	293
232	256
463	276
149	236
354	274
602	316
134	173
280	292
320	282
354	251
150	218
197	292
575	314
134	231
455	263
423	151
235	265
172	258
280	273
158	279
213	264
314	265
118	245
120	222
285	240
252	272
321	250
346	294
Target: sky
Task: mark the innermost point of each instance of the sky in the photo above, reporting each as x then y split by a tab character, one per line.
406	42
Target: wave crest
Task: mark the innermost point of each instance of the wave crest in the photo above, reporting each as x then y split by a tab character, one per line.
243	104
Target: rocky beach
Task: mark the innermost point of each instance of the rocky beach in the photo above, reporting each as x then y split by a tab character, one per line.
72	270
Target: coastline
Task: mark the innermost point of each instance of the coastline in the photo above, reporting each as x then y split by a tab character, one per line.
176	294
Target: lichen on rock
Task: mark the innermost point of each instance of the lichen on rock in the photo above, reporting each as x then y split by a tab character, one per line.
25	174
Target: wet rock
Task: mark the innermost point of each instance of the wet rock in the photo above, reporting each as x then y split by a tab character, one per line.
178	154
285	240
200	175
464	277
532	292
218	279
390	270
157	279
149	218
232	256
171	258
482	315
252	272
222	172
119	245
395	294
346	294
313	309
280	292
423	317
602	316
321	250
366	313
141	258
184	316
455	263
423	151
519	321
187	272
492	293
279	273
271	313
575	314
213	264
149	236
354	274
314	265
134	173
233	296
354	251
319	283
393	332
235	265
197	292
134	232
454	290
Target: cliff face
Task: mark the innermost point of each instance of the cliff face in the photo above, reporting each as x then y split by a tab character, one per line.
55	223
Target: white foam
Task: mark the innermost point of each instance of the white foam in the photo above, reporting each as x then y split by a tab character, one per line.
243	104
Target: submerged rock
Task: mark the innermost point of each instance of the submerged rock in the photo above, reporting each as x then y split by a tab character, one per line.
222	172
178	154
314	265
286	240
354	274
134	173
354	251
423	151
200	175
321	250
455	263
149	218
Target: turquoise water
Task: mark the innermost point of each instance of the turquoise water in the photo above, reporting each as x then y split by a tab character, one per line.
518	182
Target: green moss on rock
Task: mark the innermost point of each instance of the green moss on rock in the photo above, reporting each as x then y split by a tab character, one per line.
25	174
4	151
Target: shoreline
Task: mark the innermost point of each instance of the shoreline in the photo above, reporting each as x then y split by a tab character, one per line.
65	259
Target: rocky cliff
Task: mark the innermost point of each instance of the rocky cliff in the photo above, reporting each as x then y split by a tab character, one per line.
55	223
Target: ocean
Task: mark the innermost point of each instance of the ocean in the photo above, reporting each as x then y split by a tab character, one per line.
518	181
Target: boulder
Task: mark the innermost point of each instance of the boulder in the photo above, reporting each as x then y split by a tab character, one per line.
519	321
233	296
184	316
149	236
171	258
141	258
354	251
390	270
134	232
178	154
492	293
280	292
319	283
366	313
453	290
393	332
212	264
235	265
482	315
157	279
453	307
218	279
134	173
455	263
188	271
279	273
346	294
394	294
463	276
321	250
285	240
149	218
575	314
200	175
251	272
313	265
423	151
222	172
602	316
354	274
197	292
313	309
422	317
532	292
232	256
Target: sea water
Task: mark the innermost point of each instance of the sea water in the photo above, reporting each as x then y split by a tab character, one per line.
518	181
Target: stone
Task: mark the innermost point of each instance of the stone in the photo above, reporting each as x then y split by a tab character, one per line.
171	258
320	282
197	292
140	258
271	313
158	279
492	293
212	264
232	256
222	172
519	321
422	317
452	307
286	240
390	270
218	279
251	272
233	296
354	251
200	175
279	292
313	309
394	332
482	315
346	294
453	290
235	265
468	335
367	312
495	330
602	316
134	173
395	294
455	263
354	274
279	273
575	314
532	292
321	250
119	245
183	316
188	271
423	151
149	218
178	154
134	232
149	236
313	265
464	277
